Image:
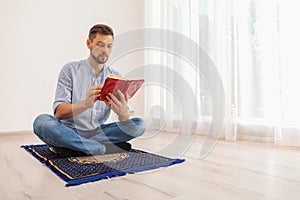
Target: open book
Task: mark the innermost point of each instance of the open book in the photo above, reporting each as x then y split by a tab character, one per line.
113	83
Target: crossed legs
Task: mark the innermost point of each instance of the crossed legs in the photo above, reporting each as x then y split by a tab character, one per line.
54	133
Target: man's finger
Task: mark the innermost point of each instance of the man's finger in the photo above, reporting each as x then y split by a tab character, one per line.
126	97
114	99
98	87
108	104
122	98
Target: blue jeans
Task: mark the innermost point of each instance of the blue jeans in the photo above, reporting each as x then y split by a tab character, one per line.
55	133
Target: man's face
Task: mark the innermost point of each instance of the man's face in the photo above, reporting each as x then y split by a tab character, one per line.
100	48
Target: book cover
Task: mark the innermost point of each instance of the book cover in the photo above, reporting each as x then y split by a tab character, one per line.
113	83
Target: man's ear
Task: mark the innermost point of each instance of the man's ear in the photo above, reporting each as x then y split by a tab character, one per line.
88	43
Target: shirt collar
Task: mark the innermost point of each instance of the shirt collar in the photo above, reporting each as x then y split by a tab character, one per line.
91	69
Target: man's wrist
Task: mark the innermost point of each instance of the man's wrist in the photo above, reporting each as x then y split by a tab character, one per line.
124	117
86	105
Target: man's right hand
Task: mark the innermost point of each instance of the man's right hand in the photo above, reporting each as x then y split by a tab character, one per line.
92	95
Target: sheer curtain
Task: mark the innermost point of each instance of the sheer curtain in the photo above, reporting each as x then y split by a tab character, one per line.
251	44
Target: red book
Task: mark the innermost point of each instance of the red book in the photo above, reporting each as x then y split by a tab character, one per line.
113	83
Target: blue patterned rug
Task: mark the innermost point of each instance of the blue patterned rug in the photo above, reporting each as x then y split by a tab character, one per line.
79	170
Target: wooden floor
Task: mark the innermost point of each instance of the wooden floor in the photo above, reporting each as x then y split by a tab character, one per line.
233	170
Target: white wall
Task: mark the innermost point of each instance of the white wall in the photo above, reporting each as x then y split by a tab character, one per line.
38	37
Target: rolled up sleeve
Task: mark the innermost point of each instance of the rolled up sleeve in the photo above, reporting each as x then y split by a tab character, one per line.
64	86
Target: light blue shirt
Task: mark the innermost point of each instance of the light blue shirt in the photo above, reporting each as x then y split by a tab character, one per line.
74	81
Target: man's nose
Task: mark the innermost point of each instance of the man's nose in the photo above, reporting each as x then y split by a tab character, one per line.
105	49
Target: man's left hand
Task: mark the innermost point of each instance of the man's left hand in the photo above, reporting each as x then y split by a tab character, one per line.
118	105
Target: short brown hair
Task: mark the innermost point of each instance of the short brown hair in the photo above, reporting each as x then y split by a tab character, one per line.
102	29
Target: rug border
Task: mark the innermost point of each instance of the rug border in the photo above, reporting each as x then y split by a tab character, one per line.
45	161
78	181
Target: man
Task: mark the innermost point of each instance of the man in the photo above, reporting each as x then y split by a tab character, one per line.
77	126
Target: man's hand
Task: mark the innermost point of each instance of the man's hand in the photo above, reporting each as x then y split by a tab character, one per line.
92	95
119	106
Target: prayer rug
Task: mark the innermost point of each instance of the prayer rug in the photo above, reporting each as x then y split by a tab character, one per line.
79	170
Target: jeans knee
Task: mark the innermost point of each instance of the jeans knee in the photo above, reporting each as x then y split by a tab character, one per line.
41	123
140	126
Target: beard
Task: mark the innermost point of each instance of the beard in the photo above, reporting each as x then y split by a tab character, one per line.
103	58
